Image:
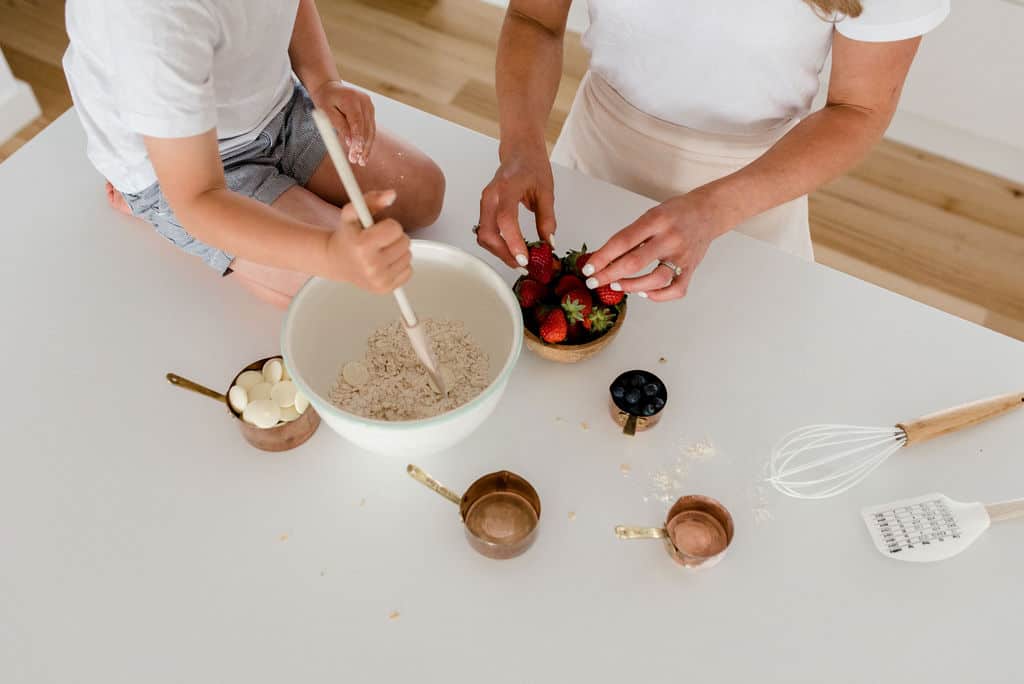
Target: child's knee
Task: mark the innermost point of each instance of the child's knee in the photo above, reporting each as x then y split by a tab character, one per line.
426	196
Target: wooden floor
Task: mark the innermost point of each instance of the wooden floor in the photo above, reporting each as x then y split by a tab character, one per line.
931	229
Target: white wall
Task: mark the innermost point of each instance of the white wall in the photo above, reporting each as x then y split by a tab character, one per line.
18	105
964	98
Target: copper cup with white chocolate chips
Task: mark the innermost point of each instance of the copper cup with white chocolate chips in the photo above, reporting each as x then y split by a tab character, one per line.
291	426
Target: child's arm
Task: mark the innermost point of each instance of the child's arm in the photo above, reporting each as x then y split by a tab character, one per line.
192	179
350	110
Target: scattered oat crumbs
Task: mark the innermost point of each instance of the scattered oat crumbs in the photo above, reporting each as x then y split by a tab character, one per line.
585	425
362	502
626	468
572	515
559	419
283	537
662	359
394	615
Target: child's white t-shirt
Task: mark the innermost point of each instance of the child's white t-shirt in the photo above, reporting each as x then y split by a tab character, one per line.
736	66
173	69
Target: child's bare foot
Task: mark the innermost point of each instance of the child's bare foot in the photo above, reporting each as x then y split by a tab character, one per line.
117	201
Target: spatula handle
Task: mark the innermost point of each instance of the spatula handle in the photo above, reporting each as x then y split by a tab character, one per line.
1005	510
943	422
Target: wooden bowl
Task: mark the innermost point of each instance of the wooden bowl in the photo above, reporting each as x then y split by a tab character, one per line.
573	353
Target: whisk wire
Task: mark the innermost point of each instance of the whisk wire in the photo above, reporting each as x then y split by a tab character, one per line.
811	452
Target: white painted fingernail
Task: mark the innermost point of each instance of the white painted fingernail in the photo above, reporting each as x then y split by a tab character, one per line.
551	241
592	283
522	259
523	271
642	295
616	286
588	269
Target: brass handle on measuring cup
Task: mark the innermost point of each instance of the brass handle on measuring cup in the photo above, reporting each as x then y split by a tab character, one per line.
430	483
624	532
185	383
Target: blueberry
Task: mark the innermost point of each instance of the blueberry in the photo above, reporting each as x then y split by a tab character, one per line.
618	391
639	380
658	403
650	389
649	410
632	397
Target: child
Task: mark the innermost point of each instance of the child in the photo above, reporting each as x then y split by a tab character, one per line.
193	115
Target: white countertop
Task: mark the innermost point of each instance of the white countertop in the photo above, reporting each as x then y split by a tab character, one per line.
141	540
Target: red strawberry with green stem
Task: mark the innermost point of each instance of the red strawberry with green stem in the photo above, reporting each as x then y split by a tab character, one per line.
554	328
601	319
577	306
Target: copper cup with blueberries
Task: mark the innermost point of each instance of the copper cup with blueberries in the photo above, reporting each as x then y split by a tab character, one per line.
636	400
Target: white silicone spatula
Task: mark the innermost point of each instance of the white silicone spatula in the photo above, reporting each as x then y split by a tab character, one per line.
417	336
933	527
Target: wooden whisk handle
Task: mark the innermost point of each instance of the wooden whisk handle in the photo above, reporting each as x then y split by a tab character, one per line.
950	420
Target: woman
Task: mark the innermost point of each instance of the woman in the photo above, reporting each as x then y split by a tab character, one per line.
702	105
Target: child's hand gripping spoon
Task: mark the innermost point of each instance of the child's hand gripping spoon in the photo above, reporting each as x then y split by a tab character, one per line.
417	337
933	527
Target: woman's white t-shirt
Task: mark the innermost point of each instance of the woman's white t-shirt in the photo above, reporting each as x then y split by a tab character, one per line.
173	69
733	66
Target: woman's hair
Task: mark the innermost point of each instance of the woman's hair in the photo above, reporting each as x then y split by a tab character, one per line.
837	8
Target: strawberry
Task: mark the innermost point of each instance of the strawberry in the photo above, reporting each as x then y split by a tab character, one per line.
541	311
572	262
577	306
601	319
554	328
609	296
582	260
542	263
577	333
530	292
567	284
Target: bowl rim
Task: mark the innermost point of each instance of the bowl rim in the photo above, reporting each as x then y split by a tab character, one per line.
504	292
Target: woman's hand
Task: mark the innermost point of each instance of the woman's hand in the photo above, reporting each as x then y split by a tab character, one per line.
377	259
523	177
678	231
352	114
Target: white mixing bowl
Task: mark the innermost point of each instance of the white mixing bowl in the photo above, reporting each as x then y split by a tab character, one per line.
329	322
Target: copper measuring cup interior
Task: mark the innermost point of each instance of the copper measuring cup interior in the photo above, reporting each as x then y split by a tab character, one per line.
698	530
500	511
279	438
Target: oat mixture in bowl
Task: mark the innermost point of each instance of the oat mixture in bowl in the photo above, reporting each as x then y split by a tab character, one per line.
389	383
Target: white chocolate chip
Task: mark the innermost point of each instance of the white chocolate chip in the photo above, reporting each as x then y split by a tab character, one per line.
283	393
262	413
260	391
273	370
238	398
355	373
248	379
301	402
288	414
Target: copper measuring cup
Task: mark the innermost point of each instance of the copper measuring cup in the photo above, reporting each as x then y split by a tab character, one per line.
697	531
500	511
278	438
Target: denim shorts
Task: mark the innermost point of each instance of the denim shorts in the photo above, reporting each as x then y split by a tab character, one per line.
284	154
